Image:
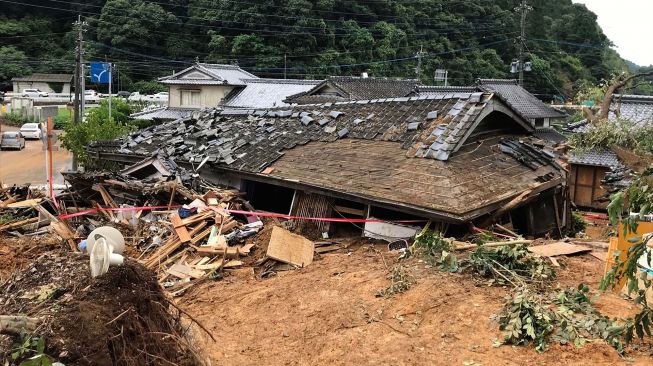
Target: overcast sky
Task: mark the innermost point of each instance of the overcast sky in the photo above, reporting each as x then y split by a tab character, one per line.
628	25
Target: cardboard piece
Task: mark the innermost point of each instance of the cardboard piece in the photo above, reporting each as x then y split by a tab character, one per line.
559	248
287	247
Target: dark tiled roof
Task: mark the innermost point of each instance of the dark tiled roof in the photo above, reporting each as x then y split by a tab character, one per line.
356	88
47	78
163	114
579	127
597	157
444	90
400	150
519	98
267	93
549	134
636	108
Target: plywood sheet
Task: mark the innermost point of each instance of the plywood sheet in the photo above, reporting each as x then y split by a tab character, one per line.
290	248
559	248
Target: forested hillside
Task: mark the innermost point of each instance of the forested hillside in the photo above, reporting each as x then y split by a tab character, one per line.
313	39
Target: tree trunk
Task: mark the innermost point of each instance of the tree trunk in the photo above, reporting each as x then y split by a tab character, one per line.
621	81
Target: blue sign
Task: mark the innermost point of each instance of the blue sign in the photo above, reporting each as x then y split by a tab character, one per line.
100	72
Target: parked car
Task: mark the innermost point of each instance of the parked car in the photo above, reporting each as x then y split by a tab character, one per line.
31	131
91	96
161	96
34	93
123	94
12	140
135	97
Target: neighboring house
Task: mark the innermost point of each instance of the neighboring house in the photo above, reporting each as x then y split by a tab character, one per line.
203	85
51	83
636	108
212	85
348	88
588	169
453	160
541	115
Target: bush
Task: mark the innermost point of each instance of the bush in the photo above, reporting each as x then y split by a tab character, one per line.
97	127
148	87
17	119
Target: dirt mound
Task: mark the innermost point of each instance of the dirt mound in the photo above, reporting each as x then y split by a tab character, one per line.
18	253
120	318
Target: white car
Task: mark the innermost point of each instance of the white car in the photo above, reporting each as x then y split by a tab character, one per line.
31	131
91	96
161	96
34	93
135	97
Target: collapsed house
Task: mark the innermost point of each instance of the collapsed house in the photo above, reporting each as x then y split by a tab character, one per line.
453	159
591	170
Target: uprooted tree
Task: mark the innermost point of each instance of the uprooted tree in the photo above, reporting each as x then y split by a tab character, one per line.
617	83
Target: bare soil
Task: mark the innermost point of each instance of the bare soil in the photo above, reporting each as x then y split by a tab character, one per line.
328	314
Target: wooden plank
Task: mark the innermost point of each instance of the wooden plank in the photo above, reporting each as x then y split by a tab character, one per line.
210	250
199	237
328	248
197	218
26	203
350	210
245	249
180	229
602	256
186	270
17	224
559	248
176	220
290	248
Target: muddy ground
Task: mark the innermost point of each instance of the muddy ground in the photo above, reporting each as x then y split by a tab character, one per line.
328	314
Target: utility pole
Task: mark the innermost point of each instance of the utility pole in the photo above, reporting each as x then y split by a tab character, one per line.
419	63
79	76
285	65
524	8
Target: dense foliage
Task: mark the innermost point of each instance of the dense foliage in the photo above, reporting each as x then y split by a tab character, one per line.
470	38
97	127
619	132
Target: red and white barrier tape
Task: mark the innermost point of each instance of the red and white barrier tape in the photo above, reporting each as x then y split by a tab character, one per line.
237	212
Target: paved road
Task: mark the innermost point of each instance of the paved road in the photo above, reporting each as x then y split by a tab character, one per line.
28	165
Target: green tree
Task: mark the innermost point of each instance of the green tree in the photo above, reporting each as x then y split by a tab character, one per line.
13	63
97	127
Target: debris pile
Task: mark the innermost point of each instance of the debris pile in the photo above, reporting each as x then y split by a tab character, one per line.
181	233
21	210
123	315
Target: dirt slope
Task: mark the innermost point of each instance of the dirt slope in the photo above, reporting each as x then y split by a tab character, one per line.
328	314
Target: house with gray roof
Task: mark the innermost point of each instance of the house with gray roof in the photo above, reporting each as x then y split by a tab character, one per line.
348	88
454	160
510	92
214	85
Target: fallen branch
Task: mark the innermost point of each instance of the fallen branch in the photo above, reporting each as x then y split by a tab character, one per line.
192	319
493	244
17	325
